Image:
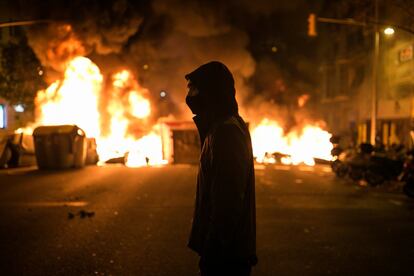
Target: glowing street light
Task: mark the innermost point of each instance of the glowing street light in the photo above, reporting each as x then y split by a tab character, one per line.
389	31
19	108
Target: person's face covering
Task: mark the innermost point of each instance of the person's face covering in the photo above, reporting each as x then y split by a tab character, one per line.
193	99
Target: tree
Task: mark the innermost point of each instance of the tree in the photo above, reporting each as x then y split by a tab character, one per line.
20	73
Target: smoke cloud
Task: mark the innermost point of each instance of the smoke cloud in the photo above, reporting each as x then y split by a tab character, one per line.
197	33
161	41
79	28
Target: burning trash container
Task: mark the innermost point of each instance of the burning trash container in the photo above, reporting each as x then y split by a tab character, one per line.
60	147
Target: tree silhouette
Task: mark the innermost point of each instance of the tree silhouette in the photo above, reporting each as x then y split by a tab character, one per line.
20	73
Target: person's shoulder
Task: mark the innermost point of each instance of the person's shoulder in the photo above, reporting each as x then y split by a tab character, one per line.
232	126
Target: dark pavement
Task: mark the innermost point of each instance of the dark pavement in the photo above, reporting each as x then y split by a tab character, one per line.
309	223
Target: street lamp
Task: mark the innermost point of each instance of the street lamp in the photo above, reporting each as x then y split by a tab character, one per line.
389	31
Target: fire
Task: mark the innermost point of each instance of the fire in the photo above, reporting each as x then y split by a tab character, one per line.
77	98
294	147
73	100
303	99
140	107
116	114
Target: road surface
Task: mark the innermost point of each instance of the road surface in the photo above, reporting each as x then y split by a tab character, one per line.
115	220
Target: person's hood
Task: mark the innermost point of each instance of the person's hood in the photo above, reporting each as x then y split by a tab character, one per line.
215	84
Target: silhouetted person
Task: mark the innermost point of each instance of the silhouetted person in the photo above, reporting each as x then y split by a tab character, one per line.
224	224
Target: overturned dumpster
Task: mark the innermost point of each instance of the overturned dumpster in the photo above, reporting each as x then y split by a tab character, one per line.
16	150
5	152
60	147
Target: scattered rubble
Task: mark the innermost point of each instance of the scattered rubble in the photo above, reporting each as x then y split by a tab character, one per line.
82	214
86	214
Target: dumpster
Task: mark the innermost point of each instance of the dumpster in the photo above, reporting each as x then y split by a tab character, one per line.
186	146
60	147
5	152
22	150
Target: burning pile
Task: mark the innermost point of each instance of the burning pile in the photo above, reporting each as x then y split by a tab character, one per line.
295	147
116	113
111	120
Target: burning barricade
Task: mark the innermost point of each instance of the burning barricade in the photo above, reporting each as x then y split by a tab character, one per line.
272	145
110	116
113	115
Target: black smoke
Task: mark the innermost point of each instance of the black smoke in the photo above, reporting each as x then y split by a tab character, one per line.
161	41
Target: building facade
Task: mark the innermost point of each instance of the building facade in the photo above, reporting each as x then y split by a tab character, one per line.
347	79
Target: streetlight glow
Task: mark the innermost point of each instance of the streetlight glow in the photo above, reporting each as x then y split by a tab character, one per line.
389	31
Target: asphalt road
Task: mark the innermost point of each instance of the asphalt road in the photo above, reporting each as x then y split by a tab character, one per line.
308	222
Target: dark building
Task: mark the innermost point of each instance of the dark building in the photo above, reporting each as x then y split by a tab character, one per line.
347	54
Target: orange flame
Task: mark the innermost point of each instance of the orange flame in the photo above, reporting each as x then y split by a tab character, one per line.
73	100
298	147
76	98
303	99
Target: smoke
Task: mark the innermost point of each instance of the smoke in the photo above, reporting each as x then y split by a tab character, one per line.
197	33
79	28
55	45
161	41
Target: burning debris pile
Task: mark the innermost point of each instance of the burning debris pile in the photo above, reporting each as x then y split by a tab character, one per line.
272	145
92	61
116	112
118	122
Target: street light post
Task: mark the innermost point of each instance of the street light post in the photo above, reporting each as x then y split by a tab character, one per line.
374	100
375	57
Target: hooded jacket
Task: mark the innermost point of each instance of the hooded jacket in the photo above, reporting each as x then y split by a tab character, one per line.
224	222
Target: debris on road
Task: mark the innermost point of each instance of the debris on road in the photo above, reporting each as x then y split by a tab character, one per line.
82	214
116	160
86	214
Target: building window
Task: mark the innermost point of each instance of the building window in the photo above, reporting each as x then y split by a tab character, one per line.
2	116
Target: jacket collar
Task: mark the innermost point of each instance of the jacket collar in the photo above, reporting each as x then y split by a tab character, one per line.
205	126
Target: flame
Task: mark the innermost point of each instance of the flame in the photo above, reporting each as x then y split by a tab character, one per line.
140	107
76	100
120	79
73	100
116	115
303	99
297	147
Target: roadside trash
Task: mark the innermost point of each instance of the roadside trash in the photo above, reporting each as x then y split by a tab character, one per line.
5	152
374	166
16	150
82	214
116	160
86	214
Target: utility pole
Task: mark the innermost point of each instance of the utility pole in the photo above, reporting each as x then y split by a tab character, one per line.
374	100
375	56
